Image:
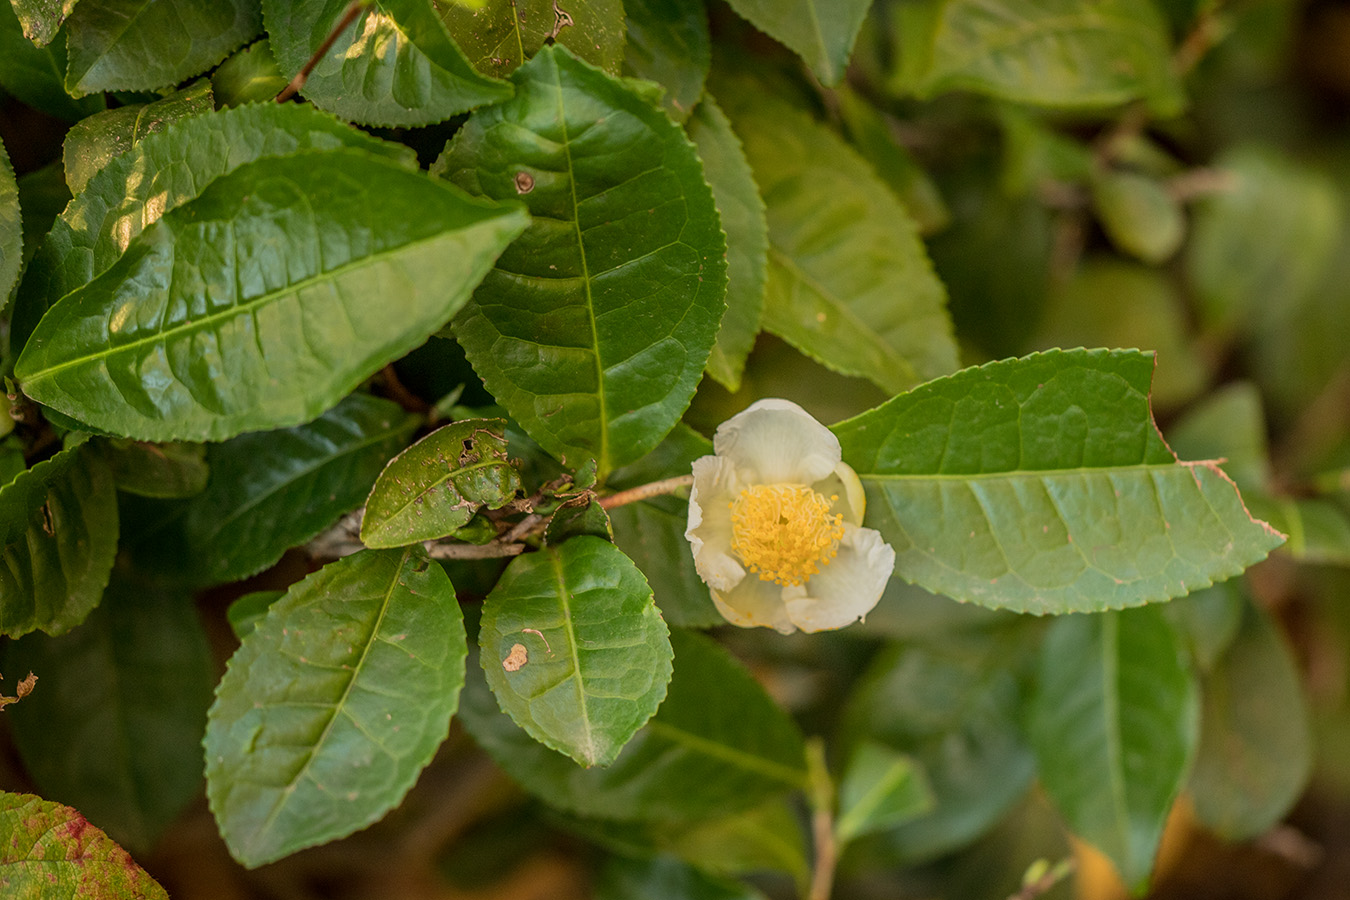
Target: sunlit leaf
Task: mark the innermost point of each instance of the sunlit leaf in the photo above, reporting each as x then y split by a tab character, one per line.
1042	485
395	65
334	703
248	76
596	324
11	227
42	18
266	300
36	75
500	35
1115	722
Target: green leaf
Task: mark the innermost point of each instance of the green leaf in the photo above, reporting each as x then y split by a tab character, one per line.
742	213
651	532
249	76
596	325
308	273
36	75
159	174
1208	619
574	648
1045	52
1255	747
717	744
849	282
955	707
1139	215
1114	723
880	789
435	486
93	142
245	613
41	19
270	491
502	34
135	45
668	43
58	529
115	726
42	196
334	703
395	65
670	879
11	227
578	516
1042	485
820	32
1229	425
1318	527
50	850
165	471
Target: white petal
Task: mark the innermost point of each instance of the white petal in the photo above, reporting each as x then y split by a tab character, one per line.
756	603
709	526
777	441
844	483
846	589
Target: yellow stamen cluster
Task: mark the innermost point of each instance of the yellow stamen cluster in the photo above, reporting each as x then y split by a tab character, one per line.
784	532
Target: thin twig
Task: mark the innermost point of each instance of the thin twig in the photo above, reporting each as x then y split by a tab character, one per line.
645	491
348	17
820	795
493	550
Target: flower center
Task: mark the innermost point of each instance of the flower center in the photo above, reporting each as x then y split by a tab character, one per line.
784	532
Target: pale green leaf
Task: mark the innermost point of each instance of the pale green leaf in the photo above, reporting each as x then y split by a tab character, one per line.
1042	485
717	744
435	486
334	703
115	726
11	228
93	142
1139	215
502	34
395	65
133	45
1046	52
159	174
49	850
821	32
880	789
1115	722
1255	746
249	76
594	329
668	43
58	530
849	282
742	213
266	300
575	649
41	19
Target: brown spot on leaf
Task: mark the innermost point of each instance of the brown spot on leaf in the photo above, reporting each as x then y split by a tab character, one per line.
516	658
524	182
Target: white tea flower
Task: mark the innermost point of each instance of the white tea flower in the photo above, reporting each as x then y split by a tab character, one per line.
774	523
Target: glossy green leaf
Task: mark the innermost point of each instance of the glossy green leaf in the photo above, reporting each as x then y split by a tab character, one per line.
334	703
595	326
502	34
651	532
575	649
308	273
249	76
668	43
165	471
36	75
717	744
1115	724
134	45
880	789
41	19
821	32
742	213
159	174
11	227
93	142
1042	485
669	879
955	708
395	65
435	486
270	491
1256	749
115	727
1139	215
58	529
50	850
849	282
1046	52
245	613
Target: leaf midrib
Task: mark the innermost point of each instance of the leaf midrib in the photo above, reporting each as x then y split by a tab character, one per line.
747	761
1035	473
468	504
589	747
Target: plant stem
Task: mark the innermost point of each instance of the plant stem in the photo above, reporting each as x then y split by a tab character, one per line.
644	491
348	17
820	797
